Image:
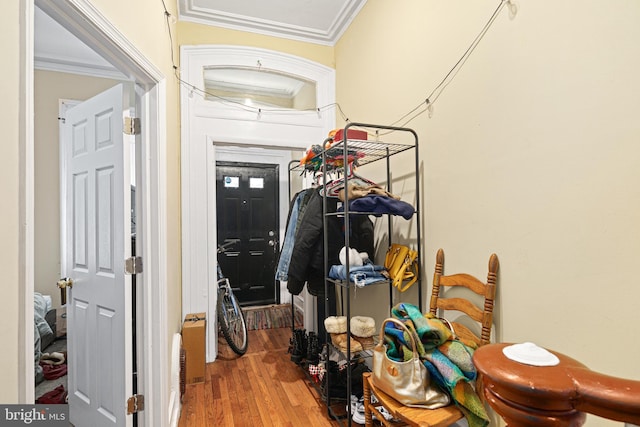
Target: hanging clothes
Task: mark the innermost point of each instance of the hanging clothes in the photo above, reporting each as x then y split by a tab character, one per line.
379	205
282	271
307	258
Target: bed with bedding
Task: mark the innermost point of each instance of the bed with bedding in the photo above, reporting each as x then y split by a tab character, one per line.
44	332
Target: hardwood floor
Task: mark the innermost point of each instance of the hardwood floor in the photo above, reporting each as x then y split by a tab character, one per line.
261	388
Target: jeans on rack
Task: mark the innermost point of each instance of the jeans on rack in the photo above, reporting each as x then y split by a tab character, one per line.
362	275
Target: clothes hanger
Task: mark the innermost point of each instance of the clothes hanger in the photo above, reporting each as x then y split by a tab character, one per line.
333	188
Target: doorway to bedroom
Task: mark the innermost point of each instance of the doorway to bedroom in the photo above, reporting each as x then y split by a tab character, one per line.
145	99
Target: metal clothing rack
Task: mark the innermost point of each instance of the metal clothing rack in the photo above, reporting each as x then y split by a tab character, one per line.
338	157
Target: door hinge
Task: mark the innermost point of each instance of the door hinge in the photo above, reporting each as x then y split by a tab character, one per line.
135	404
131	126
133	265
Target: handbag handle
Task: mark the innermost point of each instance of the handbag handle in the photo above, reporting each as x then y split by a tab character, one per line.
450	326
403	327
406	274
392	254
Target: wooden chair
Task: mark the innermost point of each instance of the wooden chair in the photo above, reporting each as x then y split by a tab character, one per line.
482	316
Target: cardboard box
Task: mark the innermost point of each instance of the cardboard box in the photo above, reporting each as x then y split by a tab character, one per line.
193	342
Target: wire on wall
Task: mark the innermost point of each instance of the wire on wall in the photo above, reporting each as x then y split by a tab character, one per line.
427	104
424	106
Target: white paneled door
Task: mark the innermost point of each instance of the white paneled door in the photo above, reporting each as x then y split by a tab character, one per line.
98	236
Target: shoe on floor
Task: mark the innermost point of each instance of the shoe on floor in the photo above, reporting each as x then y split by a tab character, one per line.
54	358
357	409
51	372
387	416
354	403
56	396
358	415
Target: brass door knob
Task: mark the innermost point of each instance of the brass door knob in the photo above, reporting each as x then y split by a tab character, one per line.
63	284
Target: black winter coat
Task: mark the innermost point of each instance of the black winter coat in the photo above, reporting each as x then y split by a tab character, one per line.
307	258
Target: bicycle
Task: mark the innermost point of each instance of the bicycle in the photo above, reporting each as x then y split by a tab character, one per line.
230	316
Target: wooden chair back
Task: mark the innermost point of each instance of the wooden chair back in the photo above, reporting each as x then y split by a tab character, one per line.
483	315
445	416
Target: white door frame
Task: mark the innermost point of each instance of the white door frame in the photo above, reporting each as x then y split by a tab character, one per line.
248	155
304	301
90	26
205	122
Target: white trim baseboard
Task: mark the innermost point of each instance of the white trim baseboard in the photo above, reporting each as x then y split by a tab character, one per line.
175	407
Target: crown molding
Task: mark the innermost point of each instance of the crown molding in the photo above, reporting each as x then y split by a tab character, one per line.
81	68
191	13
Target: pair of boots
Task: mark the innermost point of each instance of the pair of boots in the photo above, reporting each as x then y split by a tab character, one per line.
303	345
362	331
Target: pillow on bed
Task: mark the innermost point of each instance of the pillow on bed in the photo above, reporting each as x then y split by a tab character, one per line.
39	311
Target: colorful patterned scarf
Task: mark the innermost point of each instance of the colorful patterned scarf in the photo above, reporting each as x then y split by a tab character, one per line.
448	360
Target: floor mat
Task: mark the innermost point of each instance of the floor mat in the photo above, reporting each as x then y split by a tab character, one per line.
271	316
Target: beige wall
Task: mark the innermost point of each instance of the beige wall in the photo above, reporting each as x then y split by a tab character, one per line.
10	220
532	153
49	89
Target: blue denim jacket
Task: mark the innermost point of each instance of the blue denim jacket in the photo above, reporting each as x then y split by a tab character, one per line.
282	272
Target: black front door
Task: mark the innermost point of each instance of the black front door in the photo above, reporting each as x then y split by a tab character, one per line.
247	209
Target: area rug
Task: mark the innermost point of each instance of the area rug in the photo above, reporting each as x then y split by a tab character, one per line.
270	317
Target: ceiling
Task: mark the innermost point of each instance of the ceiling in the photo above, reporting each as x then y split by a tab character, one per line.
315	21
56	49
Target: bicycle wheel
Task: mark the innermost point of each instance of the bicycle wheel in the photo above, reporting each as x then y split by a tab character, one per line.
231	320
